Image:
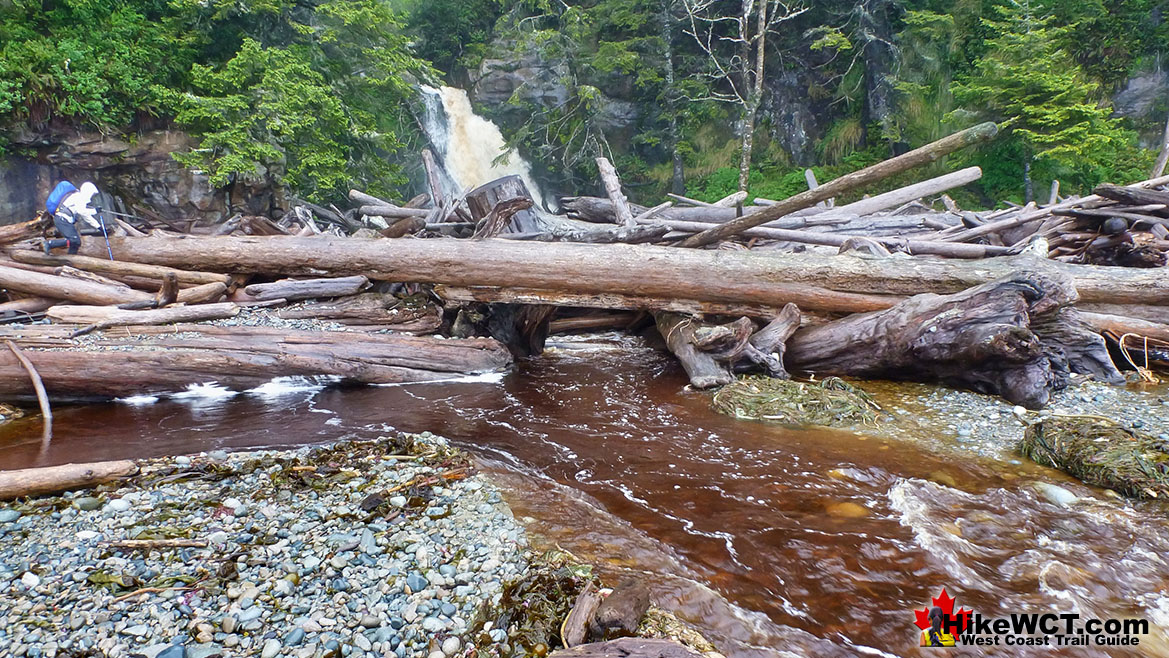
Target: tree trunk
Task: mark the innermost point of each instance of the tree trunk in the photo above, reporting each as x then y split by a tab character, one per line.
54	479
1012	337
1028	185
484	198
752	84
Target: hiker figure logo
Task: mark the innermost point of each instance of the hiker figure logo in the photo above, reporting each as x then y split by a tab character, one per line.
940	625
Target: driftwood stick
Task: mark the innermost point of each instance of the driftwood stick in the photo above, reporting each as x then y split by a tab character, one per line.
39	386
52	479
848	182
649	214
361	198
575	626
153	544
393	211
613	189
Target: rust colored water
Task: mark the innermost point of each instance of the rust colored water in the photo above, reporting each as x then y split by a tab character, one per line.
769	539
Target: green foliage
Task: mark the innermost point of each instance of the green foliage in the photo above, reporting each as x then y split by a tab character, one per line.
293	90
446	28
92	62
1041	98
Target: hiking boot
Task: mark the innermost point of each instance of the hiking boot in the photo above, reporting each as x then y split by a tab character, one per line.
46	248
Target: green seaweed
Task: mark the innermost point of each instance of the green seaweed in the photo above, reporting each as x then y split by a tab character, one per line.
832	402
1101	452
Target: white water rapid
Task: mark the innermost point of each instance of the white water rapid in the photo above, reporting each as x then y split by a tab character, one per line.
469	144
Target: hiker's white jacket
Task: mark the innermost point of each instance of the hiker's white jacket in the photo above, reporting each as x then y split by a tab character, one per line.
78	204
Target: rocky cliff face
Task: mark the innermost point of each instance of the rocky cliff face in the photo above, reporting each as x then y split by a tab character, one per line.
139	168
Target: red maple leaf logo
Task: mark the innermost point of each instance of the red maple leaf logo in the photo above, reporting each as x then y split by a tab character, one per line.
946	603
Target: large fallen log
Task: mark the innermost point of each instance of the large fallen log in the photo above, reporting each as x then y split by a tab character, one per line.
74	290
723	277
237	358
54	479
1015	337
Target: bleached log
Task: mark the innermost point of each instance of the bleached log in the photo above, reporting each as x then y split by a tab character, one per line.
54	479
112	316
74	290
293	289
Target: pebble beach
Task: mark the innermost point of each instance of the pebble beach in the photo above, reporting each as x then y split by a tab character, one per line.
386	548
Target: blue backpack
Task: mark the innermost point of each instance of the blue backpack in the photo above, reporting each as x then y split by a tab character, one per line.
63	189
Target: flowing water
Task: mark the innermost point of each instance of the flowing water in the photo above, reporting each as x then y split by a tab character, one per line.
472	149
773	541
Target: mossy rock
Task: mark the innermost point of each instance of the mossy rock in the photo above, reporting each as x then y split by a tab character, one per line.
832	402
1101	452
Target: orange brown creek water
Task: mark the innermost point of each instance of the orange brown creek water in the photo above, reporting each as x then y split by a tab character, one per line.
772	541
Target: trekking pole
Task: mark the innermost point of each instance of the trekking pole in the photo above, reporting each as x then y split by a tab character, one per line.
102	221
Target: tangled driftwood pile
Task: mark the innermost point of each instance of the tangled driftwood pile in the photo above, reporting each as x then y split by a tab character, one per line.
885	287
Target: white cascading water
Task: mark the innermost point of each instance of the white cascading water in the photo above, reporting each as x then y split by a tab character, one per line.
469	144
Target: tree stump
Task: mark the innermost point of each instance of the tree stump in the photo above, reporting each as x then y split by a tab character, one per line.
483	199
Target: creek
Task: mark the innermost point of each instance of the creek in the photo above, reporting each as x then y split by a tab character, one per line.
769	539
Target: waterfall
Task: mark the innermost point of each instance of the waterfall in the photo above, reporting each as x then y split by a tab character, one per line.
468	144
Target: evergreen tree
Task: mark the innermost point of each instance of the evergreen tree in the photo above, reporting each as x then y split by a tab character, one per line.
1047	108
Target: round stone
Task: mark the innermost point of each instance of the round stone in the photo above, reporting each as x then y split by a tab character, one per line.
8	515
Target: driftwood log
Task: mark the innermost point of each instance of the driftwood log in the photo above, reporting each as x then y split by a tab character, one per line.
74	290
237	358
111	316
1016	337
710	354
868	175
293	289
371	308
727	277
54	479
703	369
117	268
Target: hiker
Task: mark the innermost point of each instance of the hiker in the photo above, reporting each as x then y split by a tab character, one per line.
67	205
935	636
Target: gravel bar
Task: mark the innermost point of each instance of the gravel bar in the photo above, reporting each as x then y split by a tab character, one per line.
386	548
